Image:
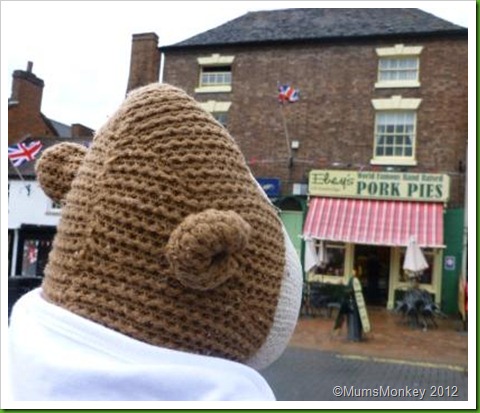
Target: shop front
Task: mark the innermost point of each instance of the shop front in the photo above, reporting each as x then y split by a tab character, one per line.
360	224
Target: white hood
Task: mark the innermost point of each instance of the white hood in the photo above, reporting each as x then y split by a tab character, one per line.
57	355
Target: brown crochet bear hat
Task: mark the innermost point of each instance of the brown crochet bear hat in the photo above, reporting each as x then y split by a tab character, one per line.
165	235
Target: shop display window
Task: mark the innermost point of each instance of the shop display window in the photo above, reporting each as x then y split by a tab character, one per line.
34	256
426	277
334	258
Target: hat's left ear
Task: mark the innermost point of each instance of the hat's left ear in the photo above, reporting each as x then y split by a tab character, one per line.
57	167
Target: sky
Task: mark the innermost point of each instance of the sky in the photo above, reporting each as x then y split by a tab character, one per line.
81	49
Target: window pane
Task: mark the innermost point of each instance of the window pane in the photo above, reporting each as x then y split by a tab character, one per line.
390	69
334	265
216	75
221	117
395	134
29	259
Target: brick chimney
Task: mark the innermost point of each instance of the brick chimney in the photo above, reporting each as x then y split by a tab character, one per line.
27	89
144	61
24	107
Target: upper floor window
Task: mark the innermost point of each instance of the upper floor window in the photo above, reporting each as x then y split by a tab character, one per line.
397	69
219	110
221	117
394	135
215	74
395	131
398	66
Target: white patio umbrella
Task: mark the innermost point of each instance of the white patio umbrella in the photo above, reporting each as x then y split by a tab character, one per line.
415	261
311	257
322	254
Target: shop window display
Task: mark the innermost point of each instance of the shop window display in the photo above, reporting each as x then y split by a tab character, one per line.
34	256
335	259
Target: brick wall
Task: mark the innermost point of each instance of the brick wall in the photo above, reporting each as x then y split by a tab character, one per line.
334	119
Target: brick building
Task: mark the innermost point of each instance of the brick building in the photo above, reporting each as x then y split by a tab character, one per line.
32	216
382	111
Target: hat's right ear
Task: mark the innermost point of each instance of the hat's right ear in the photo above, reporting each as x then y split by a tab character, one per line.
57	167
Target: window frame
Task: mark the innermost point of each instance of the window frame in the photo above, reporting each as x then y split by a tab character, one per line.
392	138
396	54
216	107
210	63
321	274
53	207
395	105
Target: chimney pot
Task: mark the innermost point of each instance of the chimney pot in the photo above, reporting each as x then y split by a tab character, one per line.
29	66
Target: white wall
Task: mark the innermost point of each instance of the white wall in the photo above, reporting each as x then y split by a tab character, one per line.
28	204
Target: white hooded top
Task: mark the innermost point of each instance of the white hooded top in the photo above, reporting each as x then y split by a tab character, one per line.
55	355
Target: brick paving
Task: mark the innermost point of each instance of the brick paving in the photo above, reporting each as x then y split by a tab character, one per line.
391	337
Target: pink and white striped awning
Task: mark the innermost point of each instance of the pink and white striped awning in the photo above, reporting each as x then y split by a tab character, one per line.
378	222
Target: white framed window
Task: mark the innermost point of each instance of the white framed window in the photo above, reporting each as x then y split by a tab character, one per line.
334	263
395	131
395	136
391	69
398	66
53	207
221	117
219	110
215	74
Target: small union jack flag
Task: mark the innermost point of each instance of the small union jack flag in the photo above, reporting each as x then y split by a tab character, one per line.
286	93
23	152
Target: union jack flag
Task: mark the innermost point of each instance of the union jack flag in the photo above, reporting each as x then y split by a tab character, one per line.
23	152
286	93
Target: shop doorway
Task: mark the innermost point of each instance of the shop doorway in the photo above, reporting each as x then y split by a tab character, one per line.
372	266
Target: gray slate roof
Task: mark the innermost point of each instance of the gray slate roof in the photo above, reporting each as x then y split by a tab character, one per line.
292	25
63	131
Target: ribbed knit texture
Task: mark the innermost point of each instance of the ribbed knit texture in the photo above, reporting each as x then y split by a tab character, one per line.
158	160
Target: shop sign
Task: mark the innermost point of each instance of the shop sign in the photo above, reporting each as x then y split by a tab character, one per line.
362	308
380	185
271	186
450	263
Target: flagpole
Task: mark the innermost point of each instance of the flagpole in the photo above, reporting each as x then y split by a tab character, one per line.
20	175
287	137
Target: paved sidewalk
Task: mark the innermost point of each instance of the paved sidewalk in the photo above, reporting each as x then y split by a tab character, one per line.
312	375
390	338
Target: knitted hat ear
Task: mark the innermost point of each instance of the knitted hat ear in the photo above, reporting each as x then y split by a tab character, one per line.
57	167
201	250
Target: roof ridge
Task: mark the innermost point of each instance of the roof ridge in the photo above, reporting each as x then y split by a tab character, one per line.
312	24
